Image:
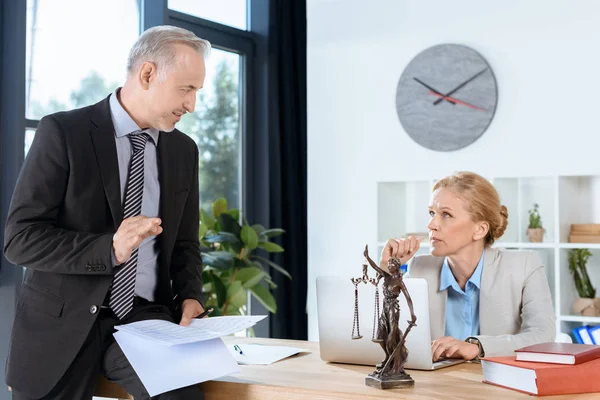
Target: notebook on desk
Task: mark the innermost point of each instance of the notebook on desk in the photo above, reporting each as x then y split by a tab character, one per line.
335	309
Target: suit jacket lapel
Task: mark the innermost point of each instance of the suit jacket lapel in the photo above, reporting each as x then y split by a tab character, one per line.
490	264
166	175
437	302
105	148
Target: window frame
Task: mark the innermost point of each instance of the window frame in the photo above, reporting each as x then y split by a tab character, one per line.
240	42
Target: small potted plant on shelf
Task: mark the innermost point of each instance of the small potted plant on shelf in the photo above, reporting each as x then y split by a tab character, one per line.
586	304
535	230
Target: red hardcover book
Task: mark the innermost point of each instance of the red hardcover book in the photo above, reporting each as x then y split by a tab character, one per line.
559	353
541	379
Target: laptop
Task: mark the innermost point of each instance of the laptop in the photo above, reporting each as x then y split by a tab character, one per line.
335	309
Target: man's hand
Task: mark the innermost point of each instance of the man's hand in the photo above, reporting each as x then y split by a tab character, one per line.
402	248
448	347
131	233
190	308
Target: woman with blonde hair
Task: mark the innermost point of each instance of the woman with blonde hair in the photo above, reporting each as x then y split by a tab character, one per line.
483	301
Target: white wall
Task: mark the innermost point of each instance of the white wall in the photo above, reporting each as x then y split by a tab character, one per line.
546	58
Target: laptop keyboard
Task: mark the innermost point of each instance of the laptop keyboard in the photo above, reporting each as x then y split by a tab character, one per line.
443	363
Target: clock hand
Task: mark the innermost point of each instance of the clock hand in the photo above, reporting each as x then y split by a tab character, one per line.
457	101
450	93
433	90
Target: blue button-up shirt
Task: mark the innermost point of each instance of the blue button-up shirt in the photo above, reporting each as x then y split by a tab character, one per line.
462	307
148	251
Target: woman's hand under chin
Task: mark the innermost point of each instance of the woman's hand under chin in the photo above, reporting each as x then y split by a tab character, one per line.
401	248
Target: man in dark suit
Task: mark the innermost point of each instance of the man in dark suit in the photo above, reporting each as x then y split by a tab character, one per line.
104	218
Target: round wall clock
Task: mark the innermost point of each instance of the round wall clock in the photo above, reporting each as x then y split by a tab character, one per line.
446	97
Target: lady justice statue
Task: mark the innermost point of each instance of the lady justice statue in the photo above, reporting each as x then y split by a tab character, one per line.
390	372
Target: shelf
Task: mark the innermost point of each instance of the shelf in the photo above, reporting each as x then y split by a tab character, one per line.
579	245
423	244
526	245
579	318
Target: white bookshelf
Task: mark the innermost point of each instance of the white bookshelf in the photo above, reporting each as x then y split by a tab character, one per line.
563	200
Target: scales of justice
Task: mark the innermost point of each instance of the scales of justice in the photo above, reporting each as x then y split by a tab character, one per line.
390	372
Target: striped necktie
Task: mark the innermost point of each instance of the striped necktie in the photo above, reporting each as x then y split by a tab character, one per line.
123	285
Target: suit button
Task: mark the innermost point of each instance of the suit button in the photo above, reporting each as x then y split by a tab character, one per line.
89	268
103	268
93	309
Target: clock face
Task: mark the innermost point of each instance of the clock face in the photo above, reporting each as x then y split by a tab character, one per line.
446	97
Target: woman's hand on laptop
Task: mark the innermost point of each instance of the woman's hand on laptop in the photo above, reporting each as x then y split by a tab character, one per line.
401	248
448	347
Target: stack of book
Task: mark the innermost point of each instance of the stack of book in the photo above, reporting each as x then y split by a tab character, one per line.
584	233
547	369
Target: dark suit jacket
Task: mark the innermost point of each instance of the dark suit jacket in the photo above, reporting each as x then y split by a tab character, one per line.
65	209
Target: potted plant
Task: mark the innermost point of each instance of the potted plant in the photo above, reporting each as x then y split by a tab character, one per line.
232	269
586	304
535	230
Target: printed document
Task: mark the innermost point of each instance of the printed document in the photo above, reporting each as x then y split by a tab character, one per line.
169	333
167	356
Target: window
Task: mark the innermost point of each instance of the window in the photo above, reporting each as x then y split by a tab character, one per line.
215	127
29	133
227	12
76	51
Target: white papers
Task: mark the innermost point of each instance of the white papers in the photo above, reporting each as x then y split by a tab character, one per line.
167	356
261	354
164	368
169	333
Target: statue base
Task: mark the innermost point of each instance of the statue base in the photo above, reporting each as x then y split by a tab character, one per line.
401	380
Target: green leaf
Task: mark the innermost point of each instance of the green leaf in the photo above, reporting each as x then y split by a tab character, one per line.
258	228
225	275
220	290
272	284
250	276
265	297
221	237
231	310
219	206
240	263
202	231
206	219
249	237
256	264
234	212
271	247
236	295
269	233
218	259
206	277
275	266
228	224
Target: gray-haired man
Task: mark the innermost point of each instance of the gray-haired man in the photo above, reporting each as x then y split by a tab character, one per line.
104	218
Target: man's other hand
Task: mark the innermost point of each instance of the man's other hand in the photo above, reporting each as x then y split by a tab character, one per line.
190	309
131	233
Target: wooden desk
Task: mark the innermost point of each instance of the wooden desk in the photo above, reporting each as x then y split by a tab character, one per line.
306	376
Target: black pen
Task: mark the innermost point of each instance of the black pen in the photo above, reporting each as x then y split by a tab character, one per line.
205	313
